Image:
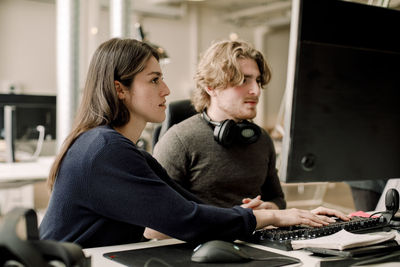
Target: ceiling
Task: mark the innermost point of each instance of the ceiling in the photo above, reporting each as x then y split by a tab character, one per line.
238	12
240	4
248	12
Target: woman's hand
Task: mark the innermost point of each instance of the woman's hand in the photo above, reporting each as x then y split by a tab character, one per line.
330	212
257	203
153	234
288	217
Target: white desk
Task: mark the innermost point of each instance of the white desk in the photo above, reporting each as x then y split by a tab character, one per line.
99	261
23	173
17	179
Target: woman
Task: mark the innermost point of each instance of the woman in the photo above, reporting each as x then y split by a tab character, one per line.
105	191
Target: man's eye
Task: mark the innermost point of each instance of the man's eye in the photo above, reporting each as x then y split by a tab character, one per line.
156	80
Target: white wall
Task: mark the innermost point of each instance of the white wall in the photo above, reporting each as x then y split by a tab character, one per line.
27	47
276	51
173	36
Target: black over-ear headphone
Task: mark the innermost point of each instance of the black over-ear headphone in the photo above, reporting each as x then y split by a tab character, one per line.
392	202
33	252
228	131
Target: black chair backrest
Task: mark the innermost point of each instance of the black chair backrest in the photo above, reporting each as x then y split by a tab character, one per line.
176	112
32	252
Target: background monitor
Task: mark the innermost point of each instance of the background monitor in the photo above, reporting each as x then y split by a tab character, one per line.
342	110
30	111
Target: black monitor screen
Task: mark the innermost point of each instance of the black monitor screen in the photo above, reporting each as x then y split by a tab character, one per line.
342	113
30	111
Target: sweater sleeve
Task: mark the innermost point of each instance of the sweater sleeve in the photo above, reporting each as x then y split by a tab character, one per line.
122	186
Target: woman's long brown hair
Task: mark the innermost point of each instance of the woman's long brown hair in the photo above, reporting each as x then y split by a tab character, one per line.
115	60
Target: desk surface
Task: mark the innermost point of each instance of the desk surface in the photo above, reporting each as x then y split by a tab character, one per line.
99	261
21	173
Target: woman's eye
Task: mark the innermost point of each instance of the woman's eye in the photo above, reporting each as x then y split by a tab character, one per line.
157	80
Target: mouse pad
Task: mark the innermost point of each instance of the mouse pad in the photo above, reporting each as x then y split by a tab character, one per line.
179	255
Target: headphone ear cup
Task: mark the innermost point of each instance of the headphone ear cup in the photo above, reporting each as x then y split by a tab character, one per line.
247	132
392	201
225	133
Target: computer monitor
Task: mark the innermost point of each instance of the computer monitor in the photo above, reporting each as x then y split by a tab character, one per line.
30	111
342	110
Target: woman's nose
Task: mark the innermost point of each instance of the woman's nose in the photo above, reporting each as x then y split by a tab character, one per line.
165	91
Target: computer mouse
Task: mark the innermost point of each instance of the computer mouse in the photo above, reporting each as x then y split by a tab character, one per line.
219	251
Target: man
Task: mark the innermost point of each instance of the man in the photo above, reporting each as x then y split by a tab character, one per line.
219	154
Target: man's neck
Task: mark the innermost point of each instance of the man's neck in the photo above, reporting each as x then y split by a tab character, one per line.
215	114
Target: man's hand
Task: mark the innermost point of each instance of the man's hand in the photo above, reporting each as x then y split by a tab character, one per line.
256	203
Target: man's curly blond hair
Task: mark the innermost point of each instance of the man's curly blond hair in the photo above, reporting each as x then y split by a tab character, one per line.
219	68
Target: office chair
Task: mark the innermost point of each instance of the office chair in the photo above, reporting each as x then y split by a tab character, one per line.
176	112
32	252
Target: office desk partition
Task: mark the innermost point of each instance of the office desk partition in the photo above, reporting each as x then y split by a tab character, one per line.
308	260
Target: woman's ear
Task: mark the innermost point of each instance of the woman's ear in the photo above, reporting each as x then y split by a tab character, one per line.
119	88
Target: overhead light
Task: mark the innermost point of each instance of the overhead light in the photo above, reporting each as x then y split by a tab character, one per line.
94	30
233	36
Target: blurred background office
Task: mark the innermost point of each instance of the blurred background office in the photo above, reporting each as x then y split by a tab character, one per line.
28	30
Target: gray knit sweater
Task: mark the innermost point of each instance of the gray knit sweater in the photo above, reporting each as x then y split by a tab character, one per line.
218	175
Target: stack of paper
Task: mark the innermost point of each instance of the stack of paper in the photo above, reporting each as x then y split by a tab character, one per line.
344	240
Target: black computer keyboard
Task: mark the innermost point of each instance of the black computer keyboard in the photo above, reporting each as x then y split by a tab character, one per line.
281	237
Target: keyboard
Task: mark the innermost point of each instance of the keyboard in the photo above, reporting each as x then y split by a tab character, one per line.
281	237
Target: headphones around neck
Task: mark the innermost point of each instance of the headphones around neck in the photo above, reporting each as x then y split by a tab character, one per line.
228	131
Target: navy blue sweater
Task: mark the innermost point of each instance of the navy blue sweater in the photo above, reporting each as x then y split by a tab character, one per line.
107	191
